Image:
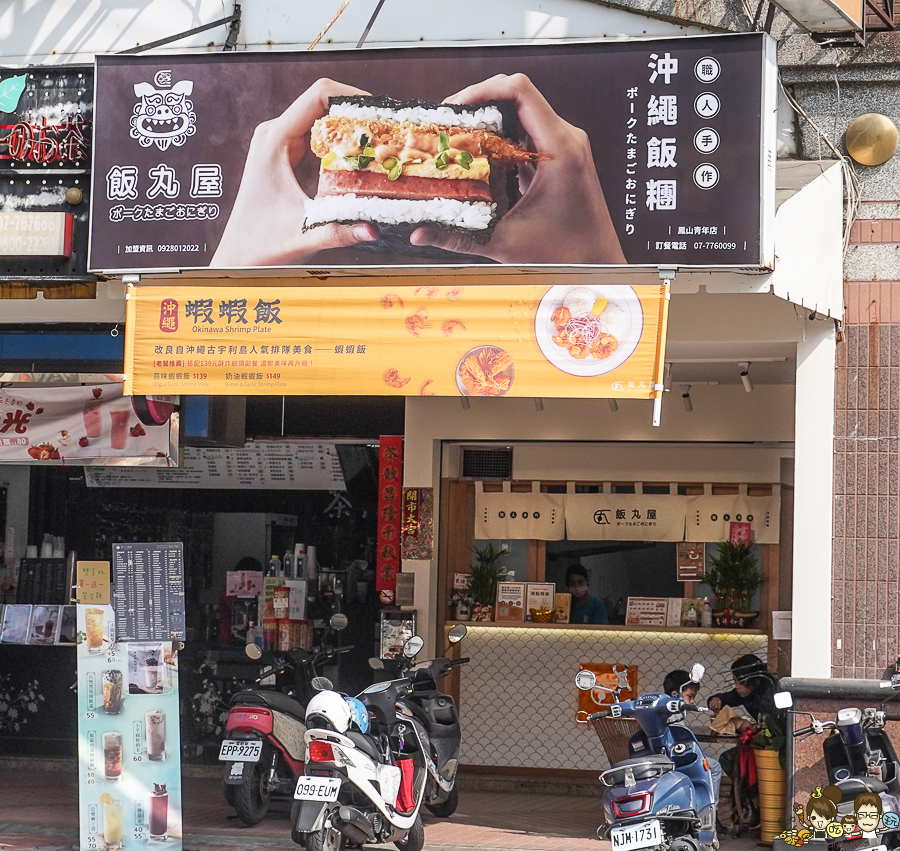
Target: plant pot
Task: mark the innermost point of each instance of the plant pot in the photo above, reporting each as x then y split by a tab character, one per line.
482	612
770	777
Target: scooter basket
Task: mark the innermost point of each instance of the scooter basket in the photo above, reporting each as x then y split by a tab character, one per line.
614	734
637	768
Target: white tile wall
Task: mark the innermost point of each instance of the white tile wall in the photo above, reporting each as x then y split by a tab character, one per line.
518	698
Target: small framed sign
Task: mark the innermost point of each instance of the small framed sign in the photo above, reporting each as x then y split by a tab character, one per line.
510	602
540	596
691	560
646	611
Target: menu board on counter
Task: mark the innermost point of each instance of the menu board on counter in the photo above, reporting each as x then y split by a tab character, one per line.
149	591
269	465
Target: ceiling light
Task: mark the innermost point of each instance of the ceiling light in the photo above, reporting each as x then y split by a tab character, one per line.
613	404
686	399
745	376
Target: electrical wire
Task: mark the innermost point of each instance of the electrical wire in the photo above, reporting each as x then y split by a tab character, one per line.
851	178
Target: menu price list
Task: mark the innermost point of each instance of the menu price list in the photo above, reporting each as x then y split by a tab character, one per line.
149	591
287	465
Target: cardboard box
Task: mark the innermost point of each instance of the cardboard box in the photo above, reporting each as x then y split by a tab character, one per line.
510	602
563	607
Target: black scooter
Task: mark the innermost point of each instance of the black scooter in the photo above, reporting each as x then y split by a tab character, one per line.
437	712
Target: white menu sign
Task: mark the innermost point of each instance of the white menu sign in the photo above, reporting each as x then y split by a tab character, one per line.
269	465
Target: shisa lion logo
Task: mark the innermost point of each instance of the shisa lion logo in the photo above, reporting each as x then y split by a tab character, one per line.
164	116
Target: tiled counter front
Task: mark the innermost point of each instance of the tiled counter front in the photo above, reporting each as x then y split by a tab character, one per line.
518	698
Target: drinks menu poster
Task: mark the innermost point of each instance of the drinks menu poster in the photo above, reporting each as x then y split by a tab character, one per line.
149	595
129	746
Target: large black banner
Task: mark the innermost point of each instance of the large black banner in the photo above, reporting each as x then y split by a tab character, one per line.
584	154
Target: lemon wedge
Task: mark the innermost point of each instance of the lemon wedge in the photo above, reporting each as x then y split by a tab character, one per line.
106	798
599	306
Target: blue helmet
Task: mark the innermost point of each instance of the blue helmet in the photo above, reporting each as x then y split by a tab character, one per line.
358	713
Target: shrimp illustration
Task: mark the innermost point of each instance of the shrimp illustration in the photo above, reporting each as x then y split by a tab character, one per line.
392	378
423	390
430	292
455	294
389	300
450	326
417	322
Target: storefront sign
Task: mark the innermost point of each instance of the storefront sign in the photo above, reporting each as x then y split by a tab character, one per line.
78	425
520	340
510	602
517	516
390	492
624	517
35	234
264	465
149	591
691	561
675	164
92	580
709	518
129	743
418	523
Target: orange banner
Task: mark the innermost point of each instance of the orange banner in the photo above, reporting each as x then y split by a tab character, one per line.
570	341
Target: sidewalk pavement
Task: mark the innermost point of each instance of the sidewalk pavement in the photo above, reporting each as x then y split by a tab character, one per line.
39	812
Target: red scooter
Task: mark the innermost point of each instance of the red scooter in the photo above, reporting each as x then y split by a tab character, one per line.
264	742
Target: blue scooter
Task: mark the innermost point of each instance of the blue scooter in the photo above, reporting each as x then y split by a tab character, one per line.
662	797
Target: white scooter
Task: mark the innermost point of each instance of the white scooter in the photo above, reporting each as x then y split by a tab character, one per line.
362	788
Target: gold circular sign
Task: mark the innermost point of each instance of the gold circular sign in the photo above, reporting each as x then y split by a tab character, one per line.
74	195
871	139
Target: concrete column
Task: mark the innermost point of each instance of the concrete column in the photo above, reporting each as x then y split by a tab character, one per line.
813	497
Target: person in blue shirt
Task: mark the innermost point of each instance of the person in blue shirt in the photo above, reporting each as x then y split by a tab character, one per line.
585	608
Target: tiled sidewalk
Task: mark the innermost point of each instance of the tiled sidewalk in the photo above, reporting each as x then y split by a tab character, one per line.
39	812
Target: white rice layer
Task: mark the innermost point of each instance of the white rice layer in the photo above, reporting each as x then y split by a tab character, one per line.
479	118
472	215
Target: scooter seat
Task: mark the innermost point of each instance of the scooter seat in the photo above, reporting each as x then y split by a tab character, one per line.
272	700
853	786
642	767
364	743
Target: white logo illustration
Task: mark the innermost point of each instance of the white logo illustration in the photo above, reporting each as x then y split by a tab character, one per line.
164	116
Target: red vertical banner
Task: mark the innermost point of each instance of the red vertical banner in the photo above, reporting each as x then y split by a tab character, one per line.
390	507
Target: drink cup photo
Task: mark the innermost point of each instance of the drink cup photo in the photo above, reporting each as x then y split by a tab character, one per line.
93	422
93	622
112	823
151	672
112	692
120	413
112	756
159	812
155	725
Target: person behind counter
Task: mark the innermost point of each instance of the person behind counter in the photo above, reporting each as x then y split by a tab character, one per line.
585	607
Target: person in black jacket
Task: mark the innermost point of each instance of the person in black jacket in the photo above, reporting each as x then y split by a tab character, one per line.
754	687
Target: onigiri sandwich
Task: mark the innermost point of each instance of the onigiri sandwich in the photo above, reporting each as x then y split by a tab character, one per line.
403	164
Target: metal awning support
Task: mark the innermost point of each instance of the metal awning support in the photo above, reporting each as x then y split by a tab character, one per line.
230	40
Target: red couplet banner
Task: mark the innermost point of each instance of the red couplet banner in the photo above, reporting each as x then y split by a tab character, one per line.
390	499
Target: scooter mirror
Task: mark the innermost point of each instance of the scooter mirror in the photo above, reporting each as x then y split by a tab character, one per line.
413	646
457	633
585	680
338	621
322	684
253	651
783	700
376	664
697	672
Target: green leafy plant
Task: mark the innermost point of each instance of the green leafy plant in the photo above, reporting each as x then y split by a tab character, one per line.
486	573
771	735
733	576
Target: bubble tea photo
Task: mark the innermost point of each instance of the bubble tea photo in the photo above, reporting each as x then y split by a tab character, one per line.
93	624
156	734
112	755
112	692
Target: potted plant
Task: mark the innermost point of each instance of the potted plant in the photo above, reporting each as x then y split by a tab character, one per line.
462	605
486	573
733	576
768	753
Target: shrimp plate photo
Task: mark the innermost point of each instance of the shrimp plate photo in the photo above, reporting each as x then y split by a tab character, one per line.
588	330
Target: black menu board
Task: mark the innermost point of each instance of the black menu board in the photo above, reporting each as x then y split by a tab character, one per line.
149	591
